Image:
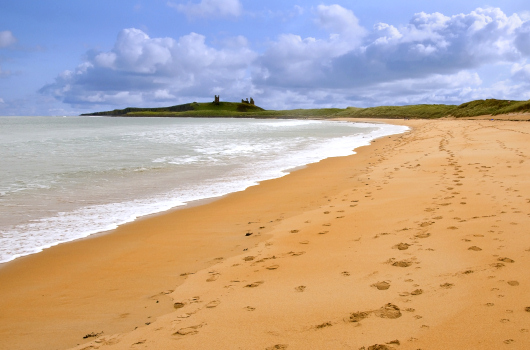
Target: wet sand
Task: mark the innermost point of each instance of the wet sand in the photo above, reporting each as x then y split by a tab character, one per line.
420	241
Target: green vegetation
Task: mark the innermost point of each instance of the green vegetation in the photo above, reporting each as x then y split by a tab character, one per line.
194	109
493	107
245	110
412	111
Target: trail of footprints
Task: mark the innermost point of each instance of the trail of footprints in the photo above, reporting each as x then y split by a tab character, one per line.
408	242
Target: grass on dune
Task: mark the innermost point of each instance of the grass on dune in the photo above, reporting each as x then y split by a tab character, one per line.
412	111
490	107
245	110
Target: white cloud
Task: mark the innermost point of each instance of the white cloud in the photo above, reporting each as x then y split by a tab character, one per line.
339	20
432	59
522	40
135	51
525	15
210	8
140	68
449	89
122	97
521	72
163	95
429	44
7	39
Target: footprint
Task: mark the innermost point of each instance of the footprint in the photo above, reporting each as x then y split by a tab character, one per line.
323	325
300	288
213	277
345	273
296	253
179	305
417	292
402	263
423	235
381	285
254	285
506	260
513	283
188	330
93	335
378	347
475	248
272	267
402	246
388	311
358	316
277	347
447	285
213	304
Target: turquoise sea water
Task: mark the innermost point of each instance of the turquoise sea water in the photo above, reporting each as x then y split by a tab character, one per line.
64	178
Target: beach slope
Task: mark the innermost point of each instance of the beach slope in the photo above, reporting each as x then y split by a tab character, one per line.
419	241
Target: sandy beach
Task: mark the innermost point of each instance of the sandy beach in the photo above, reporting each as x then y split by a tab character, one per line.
419	241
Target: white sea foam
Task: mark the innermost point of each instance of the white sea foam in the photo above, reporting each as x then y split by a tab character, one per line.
290	122
104	172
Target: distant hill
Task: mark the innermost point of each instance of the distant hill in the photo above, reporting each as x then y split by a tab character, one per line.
193	109
469	109
244	110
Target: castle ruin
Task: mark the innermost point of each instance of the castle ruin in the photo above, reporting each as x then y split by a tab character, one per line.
251	102
247	101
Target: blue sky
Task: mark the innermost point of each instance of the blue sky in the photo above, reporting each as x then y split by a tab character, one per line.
66	57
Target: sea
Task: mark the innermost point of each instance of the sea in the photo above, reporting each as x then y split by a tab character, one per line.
65	178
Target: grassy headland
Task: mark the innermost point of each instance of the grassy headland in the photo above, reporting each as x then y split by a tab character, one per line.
244	110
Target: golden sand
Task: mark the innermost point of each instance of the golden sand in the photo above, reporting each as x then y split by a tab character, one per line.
419	241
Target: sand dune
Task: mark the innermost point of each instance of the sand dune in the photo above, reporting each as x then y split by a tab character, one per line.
420	241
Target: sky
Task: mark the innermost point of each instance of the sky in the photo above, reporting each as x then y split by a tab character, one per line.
67	57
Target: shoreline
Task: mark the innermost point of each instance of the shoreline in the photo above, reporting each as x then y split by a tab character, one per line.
416	241
88	259
127	209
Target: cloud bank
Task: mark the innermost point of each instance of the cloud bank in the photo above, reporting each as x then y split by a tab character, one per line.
432	59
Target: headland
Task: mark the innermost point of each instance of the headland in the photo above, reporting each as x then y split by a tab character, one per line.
484	109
